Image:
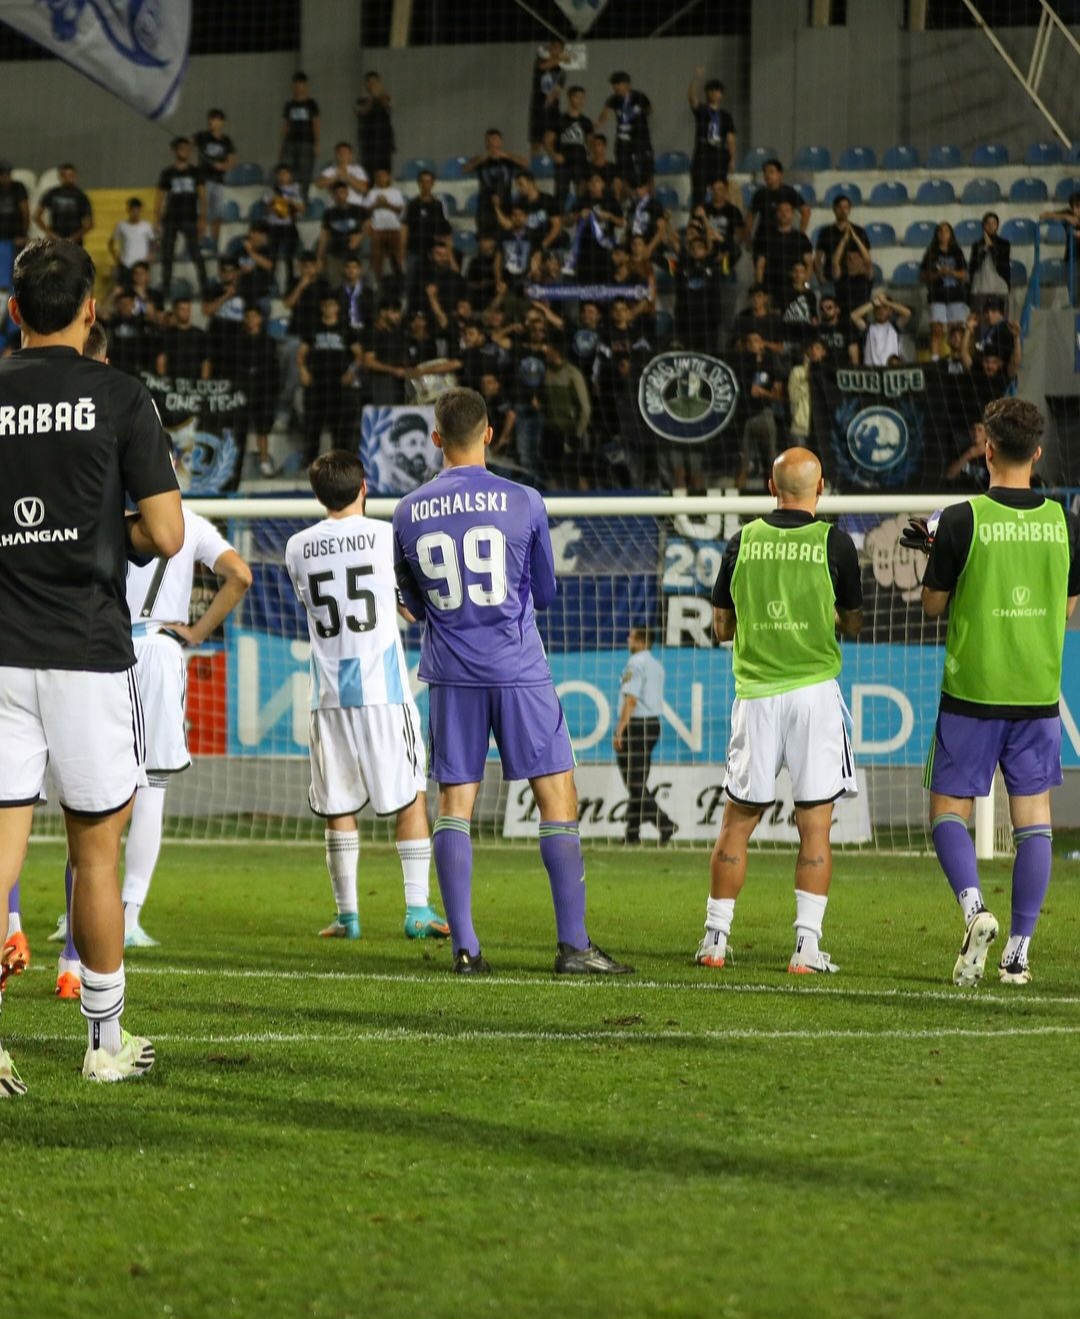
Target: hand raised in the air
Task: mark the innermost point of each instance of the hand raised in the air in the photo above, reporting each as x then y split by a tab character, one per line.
918	536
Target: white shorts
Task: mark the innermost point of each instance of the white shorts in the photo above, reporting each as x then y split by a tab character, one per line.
948	313
366	753
162	669
86	728
806	730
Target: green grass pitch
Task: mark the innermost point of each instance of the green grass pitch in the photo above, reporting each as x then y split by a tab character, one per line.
339	1129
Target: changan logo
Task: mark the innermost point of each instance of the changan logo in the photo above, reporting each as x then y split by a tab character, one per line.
777	609
1021	595
29	512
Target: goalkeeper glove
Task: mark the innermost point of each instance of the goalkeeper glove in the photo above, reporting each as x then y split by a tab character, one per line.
918	536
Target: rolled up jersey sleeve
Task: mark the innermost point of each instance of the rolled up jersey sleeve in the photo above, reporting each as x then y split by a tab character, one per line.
541	557
721	592
144	449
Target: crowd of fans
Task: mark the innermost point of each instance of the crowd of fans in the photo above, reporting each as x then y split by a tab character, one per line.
555	314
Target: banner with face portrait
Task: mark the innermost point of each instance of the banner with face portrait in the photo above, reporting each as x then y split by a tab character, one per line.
396	447
205	421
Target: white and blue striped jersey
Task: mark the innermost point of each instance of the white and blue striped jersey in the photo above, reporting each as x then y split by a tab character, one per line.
343	572
161	592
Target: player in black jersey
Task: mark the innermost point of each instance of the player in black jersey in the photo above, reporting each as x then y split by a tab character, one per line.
77	440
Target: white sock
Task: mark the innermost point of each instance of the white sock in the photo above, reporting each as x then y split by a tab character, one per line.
131	916
342	860
14	923
971	903
809	914
1016	949
143	842
719	913
102	1003
415	856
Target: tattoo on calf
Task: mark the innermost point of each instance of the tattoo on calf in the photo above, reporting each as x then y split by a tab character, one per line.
727	859
810	861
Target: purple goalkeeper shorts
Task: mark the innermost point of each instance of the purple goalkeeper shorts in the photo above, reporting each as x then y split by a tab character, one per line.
528	724
966	751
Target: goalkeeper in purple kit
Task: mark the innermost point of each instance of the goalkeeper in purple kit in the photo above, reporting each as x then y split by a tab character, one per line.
473	555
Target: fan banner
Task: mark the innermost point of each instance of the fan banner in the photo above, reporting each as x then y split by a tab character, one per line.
136	49
204	419
396	447
582	13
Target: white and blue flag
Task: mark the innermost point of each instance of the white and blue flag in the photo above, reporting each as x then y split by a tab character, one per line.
136	49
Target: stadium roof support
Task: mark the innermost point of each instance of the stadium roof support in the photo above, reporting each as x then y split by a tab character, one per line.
1048	21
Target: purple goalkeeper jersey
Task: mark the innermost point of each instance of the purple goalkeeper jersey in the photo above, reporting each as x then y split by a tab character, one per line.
473	555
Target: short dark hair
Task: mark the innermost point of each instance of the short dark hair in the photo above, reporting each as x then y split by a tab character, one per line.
991	215
134	201
215	112
299	76
339	183
66	165
97	343
179	142
774	162
459	414
429	173
760	288
715	85
1015	426
573	91
336	478
343	143
620	75
371	73
52	279
525	174
141	265
644	632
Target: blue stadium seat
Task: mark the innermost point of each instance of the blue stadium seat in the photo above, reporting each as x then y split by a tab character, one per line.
876	276
465	241
668	198
1052	231
980	192
851	191
672	162
1018	274
206	245
278	327
988	155
1044	153
968	231
919	233
1072	156
235	245
248	174
892	193
935	192
256	211
449	202
542	166
472	203
452	168
415	166
812	158
1028	190
314	209
807	193
857	158
1052	271
230	212
180	288
945	156
906	275
901	156
1020	232
881	235
753	160
1065	189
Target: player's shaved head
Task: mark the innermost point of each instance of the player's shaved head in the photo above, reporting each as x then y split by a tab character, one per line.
796	474
461	418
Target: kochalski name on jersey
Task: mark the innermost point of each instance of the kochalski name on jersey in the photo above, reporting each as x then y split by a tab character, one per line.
315	549
44	418
471	501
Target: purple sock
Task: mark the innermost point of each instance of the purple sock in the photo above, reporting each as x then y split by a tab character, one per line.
71	953
452	846
955	850
1031	876
560	851
13	902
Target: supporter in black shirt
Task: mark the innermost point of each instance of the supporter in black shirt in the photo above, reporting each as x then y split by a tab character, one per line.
184	348
300	127
423	222
127	335
599	163
646	218
440	278
256	264
697	298
759	318
547	80
357	298
494	169
374	128
515	249
584	341
501	418
480	274
304	299
567	143
714	136
385	359
180	208
217	155
726	222
68	209
329	360
593	236
258	375
774	191
776	250
541	212
761	386
341	233
224	304
842	247
841	343
284	206
633	141
14	208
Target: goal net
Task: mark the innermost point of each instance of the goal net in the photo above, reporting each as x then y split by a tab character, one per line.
621	562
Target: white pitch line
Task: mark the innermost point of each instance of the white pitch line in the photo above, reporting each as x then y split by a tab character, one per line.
404	1035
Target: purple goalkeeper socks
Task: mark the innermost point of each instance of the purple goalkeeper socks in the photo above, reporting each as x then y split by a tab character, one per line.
70	953
452	847
1031	877
560	851
13	902
955	850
